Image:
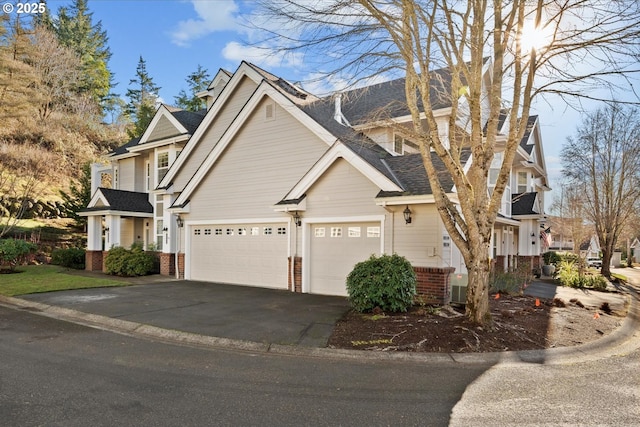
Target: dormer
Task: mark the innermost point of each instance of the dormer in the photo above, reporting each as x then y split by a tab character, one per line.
215	87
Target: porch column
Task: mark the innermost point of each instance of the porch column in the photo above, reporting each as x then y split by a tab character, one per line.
112	231
93	255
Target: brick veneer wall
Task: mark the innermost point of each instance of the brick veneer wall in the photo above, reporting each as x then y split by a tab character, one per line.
181	265
295	284
93	261
167	264
433	284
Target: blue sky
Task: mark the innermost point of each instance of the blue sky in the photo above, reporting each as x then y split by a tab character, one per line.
174	36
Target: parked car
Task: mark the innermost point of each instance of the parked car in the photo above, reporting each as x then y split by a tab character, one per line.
594	262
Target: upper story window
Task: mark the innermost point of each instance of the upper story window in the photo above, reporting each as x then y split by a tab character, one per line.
116	178
162	164
147	176
494	171
403	146
522	182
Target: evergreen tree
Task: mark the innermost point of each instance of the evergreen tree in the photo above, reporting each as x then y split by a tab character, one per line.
75	29
142	99
198	81
78	197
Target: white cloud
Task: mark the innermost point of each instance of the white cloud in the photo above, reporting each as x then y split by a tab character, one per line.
213	16
260	55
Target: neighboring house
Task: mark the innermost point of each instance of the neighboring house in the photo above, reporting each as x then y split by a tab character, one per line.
590	248
275	187
634	249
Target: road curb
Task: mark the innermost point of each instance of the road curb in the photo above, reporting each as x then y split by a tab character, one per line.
623	340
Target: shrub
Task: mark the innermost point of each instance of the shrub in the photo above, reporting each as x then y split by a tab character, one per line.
14	252
511	282
569	275
551	258
129	262
387	282
70	258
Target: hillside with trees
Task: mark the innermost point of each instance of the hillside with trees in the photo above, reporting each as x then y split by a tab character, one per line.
55	88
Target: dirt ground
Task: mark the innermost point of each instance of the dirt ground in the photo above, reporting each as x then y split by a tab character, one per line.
519	323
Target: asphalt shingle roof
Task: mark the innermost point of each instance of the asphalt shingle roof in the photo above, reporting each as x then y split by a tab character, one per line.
523	203
124	201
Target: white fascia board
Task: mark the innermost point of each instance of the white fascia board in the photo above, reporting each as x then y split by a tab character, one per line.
339	150
443	112
162	112
124	156
97	197
412	200
116	213
160	143
264	89
179	209
243	70
297	207
507	221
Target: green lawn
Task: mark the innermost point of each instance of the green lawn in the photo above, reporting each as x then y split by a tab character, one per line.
47	278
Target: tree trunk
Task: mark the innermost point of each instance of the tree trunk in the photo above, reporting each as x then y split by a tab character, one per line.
479	269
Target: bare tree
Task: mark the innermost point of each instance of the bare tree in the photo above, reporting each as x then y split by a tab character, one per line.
583	45
603	163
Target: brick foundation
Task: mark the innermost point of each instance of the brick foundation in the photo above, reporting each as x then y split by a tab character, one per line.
167	264
296	283
433	284
93	261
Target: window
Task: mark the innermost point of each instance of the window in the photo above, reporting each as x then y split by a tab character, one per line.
162	164
159	212
116	178
522	182
494	171
218	231
267	231
336	231
373	231
197	231
319	232
255	231
354	232
242	231
229	231
282	230
207	232
147	175
398	144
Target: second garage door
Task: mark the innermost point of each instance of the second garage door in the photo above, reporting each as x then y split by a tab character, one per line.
244	254
335	249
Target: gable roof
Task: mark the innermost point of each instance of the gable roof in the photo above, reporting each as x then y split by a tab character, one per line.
108	199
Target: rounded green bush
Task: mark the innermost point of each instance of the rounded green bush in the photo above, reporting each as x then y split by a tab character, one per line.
387	282
70	258
133	262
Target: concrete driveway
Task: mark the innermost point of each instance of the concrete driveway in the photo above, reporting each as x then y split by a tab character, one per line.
237	312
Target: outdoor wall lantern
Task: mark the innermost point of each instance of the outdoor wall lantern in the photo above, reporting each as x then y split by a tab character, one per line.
106	229
179	221
165	229
407	215
296	219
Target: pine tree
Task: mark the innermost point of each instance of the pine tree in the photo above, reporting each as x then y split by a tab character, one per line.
78	197
76	30
198	81
142	99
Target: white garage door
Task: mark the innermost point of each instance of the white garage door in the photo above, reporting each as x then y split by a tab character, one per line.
335	249
244	254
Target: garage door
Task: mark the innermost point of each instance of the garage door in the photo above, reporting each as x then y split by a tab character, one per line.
245	254
335	249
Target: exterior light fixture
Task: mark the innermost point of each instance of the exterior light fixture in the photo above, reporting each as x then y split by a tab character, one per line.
165	229
106	229
296	219
179	221
407	215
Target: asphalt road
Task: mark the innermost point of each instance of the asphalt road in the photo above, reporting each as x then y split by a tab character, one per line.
56	373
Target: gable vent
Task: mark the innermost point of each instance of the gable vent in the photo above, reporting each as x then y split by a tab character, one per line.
269	111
